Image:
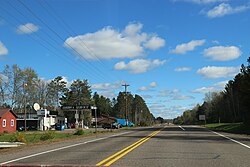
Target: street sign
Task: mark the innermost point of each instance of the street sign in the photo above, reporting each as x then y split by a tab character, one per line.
202	117
79	107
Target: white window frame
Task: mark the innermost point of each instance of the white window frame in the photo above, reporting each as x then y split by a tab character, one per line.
12	123
4	123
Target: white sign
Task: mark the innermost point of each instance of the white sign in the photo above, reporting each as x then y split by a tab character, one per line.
42	112
202	117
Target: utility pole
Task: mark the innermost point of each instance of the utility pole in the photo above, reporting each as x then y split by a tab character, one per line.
25	101
126	102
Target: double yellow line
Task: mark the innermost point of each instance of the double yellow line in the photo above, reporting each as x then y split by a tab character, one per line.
113	158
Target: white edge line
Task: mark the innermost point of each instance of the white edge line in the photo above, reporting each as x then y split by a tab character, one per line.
181	127
231	139
61	148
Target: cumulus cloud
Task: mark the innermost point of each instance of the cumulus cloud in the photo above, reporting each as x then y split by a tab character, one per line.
109	43
154	43
139	65
221	84
205	90
182	97
153	84
218	72
203	1
168	93
108	94
226	9
185	47
3	49
143	88
167	111
222	53
148	88
183	69
105	86
27	28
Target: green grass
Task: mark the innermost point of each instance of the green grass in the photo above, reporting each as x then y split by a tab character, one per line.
238	128
38	136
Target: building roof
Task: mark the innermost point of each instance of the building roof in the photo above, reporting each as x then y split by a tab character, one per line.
5	110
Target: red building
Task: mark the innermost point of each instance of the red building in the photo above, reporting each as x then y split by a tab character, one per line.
7	120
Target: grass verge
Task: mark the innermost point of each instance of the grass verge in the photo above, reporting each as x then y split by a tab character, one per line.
38	136
238	128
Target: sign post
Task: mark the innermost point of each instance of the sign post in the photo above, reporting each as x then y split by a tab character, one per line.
202	118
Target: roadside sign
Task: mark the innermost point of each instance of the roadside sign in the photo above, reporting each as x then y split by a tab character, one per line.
79	107
202	117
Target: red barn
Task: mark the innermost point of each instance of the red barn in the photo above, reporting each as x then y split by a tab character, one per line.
7	120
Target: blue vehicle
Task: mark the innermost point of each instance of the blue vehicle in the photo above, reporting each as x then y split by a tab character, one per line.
125	122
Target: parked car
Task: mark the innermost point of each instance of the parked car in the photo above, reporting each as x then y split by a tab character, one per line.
113	125
59	127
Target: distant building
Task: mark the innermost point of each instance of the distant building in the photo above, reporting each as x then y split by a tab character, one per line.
7	120
40	120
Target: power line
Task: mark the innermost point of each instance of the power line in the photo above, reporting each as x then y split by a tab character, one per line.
71	31
54	32
74	65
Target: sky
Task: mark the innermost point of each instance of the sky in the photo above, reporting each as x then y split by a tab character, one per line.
170	52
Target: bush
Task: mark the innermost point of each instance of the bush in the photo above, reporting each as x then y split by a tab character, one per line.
19	137
79	132
47	136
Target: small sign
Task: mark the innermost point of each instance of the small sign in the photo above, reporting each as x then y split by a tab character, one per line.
80	107
202	117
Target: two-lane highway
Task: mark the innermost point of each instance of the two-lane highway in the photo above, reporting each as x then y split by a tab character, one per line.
156	146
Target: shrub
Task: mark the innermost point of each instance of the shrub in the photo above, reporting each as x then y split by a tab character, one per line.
47	136
79	132
19	137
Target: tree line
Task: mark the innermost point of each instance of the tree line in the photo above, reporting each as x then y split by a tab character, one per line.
21	88
229	106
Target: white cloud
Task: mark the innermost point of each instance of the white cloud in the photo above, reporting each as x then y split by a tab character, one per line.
221	84
3	49
143	88
205	90
168	93
183	69
182	97
203	1
27	28
105	86
226	9
154	43
167	112
218	72
108	94
222	53
185	47
109	43
153	84
139	65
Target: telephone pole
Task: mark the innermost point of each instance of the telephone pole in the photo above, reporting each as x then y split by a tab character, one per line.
126	102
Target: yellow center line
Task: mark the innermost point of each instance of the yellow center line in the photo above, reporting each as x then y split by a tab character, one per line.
126	150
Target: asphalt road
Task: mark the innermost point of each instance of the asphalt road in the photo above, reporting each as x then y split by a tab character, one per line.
169	146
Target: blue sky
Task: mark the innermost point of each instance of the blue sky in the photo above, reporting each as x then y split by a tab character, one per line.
171	52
